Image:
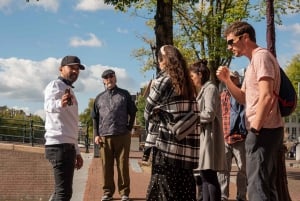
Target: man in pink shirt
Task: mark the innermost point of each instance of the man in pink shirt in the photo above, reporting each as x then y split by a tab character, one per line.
263	119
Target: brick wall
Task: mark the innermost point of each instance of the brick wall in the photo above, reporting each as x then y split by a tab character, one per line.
25	174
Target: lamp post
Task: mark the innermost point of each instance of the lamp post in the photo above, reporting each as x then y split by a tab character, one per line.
87	141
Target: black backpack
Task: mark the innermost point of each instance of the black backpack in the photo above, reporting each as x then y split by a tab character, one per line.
287	97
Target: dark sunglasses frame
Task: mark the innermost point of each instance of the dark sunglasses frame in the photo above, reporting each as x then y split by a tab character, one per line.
231	41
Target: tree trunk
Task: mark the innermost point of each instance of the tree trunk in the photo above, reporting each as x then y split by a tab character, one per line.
281	183
271	38
163	25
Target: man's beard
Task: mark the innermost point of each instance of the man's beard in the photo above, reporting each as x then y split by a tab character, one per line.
72	77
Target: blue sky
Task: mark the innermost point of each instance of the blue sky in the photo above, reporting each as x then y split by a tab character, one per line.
36	35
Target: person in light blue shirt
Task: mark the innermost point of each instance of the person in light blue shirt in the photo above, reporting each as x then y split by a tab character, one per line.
61	147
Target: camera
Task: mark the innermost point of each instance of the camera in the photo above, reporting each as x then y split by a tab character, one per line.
67	91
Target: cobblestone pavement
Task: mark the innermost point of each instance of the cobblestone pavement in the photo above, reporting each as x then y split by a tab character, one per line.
140	176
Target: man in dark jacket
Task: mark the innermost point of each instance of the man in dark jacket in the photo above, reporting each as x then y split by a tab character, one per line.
113	118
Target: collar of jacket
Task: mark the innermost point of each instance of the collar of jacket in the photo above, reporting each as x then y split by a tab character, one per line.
67	82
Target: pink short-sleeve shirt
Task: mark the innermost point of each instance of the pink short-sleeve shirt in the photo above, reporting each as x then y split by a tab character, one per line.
263	64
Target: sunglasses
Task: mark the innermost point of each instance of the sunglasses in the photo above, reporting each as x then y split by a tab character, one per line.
231	41
109	76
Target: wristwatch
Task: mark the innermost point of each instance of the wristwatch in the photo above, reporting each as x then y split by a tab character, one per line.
253	130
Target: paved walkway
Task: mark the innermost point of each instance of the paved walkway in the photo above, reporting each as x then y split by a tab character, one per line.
87	181
81	177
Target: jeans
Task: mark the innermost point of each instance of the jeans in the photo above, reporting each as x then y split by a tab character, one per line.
236	151
261	160
62	158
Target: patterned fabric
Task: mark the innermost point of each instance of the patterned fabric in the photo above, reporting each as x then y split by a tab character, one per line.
113	113
183	153
169	182
225	105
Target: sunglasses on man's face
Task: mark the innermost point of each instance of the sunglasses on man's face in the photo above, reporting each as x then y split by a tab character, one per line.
109	76
232	41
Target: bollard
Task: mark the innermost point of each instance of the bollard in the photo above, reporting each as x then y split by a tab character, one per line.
87	144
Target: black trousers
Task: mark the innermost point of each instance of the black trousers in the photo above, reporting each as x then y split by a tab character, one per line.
62	158
211	190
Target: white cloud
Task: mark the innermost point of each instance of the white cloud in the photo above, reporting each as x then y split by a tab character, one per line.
52	5
92	5
7	6
25	79
40	113
93	41
93	82
296	44
5	3
294	28
23	82
120	30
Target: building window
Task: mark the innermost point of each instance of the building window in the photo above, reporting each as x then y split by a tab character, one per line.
294	130
286	119
293	119
287	130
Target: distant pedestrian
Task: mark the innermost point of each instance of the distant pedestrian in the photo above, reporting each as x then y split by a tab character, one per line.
61	147
263	119
211	156
173	160
113	118
234	129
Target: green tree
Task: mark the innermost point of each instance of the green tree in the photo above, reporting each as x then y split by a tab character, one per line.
198	27
293	72
85	117
200	30
141	102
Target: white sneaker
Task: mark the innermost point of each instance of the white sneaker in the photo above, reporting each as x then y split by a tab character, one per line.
106	198
125	198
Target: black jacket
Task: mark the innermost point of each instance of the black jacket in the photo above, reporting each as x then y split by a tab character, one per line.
113	113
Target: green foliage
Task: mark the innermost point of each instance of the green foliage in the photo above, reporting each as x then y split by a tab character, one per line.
121	5
85	117
281	7
198	26
293	72
16	125
199	30
141	102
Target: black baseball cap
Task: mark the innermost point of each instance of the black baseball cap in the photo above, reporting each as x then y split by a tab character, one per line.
71	60
107	72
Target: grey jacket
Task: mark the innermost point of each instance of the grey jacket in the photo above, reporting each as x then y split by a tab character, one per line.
113	113
212	151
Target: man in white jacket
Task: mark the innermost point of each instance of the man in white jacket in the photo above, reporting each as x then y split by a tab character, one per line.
61	147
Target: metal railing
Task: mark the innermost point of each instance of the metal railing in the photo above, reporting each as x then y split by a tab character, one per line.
28	131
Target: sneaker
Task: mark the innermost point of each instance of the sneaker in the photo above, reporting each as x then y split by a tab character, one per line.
106	198
125	198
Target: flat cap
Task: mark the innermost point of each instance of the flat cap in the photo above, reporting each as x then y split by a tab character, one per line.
107	72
